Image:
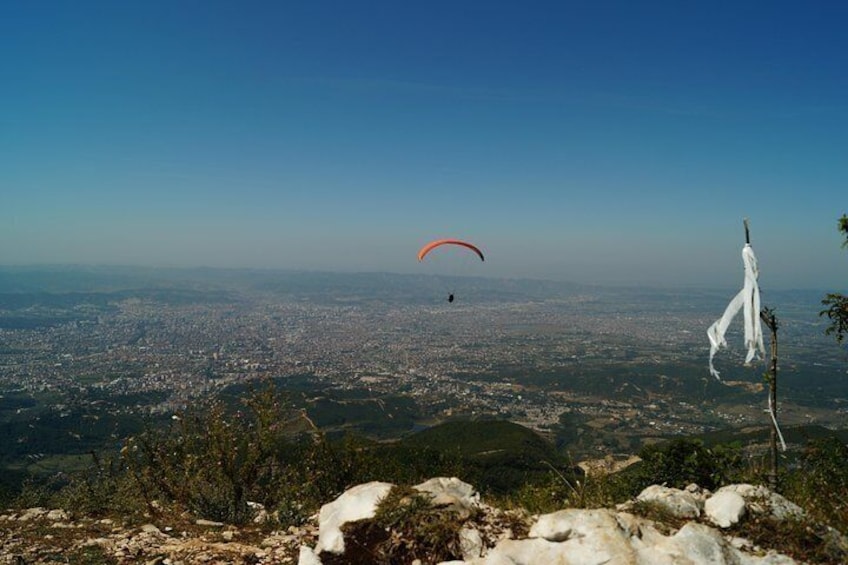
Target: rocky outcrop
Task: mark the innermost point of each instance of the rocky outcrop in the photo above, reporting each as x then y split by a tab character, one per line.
688	503
618	536
701	532
39	535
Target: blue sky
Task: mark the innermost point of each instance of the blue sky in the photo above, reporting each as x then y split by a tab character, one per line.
599	142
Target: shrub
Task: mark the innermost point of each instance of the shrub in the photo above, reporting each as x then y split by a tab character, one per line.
405	527
101	490
820	481
213	462
681	462
802	540
34	493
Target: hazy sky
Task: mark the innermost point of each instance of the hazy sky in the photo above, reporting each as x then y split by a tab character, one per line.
608	142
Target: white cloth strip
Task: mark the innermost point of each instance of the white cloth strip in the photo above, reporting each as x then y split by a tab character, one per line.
747	300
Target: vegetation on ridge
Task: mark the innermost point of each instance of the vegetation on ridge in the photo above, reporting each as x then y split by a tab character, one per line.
213	462
837	304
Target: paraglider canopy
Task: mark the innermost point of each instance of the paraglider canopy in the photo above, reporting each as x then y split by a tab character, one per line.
439	242
451	243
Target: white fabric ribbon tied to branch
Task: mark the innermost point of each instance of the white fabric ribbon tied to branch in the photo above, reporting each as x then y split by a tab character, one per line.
747	300
772	413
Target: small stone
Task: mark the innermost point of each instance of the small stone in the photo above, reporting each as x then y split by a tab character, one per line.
94	541
150	529
57	515
209	523
32	514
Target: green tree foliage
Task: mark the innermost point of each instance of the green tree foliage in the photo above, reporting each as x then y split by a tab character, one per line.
496	456
820	482
836	305
212	461
217	457
680	462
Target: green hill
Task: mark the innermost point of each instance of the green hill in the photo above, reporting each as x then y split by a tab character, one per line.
483	438
792	434
497	455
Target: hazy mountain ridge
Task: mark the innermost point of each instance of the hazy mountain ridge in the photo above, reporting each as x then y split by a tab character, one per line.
79	284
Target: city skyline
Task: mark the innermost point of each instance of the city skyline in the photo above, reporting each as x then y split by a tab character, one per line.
606	143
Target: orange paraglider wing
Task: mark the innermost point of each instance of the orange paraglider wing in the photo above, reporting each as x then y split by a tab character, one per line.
439	242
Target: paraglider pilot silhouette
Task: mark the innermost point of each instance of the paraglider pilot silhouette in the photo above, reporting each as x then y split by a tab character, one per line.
439	242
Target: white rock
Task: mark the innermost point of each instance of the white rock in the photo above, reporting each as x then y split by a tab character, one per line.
741	544
536	551
470	543
553	527
307	557
682	504
696	490
357	503
770	558
208	523
702	544
447	491
150	529
32	514
591	537
725	508
586	536
260	514
57	515
94	541
693	544
761	500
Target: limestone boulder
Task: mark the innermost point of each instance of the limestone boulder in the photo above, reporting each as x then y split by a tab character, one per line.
357	503
725	508
680	503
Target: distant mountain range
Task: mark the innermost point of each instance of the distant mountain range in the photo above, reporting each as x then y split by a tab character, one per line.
355	287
